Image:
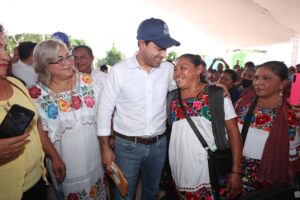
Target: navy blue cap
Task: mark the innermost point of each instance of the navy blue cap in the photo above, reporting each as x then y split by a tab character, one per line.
61	36
156	31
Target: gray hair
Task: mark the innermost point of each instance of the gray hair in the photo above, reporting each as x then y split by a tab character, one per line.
45	52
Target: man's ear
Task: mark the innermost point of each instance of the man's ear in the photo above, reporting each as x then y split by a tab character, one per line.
141	44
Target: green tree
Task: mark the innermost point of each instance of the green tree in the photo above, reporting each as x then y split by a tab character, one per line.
113	56
14	40
172	56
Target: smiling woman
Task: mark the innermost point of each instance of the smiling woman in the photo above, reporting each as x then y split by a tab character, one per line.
67	102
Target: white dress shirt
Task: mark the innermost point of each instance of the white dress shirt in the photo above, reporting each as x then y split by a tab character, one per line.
138	99
24	72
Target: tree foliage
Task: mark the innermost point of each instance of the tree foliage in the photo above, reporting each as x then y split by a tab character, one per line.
172	56
113	56
14	40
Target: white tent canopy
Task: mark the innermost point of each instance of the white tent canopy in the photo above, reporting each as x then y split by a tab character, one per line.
241	23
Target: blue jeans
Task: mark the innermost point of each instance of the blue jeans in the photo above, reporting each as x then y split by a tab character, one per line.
135	158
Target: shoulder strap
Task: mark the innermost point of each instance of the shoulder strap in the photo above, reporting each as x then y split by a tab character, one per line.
192	124
247	120
171	96
216	108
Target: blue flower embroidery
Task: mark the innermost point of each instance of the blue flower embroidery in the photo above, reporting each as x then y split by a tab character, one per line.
52	111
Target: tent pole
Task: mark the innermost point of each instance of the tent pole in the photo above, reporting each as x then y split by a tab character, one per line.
295	42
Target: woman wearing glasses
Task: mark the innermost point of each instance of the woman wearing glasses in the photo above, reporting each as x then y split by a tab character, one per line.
66	101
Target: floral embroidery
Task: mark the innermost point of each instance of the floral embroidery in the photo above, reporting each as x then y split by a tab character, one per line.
263	118
86	78
251	169
197	106
76	102
63	104
72	196
95	191
53	104
35	92
203	193
89	101
52	111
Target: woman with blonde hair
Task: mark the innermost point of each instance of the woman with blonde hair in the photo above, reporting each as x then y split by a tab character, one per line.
66	101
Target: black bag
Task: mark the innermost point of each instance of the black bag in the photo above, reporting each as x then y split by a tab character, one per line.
219	164
274	192
219	161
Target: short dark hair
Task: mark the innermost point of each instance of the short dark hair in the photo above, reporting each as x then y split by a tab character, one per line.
25	49
232	74
249	64
195	59
87	48
103	67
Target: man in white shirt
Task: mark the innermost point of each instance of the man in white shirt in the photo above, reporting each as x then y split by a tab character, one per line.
23	68
83	62
136	91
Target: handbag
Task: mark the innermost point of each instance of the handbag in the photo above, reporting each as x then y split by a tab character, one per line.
219	161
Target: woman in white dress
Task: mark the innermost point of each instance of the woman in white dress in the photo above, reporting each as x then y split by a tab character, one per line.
188	158
66	101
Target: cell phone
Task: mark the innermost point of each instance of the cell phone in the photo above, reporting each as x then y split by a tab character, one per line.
16	121
295	90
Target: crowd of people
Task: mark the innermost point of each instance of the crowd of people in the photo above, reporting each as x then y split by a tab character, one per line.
86	119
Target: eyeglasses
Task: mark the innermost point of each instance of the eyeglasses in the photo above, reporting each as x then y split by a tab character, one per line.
62	60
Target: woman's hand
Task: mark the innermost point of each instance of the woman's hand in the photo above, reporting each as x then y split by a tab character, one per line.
11	148
226	92
59	169
234	186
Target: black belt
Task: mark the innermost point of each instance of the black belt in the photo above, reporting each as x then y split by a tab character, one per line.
150	140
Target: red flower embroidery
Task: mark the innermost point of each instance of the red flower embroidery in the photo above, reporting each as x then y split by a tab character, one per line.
89	101
291	118
205	100
292	138
179	113
197	105
76	102
35	92
190	196
172	106
262	119
72	196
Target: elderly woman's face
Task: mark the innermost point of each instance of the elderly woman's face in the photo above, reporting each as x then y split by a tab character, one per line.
63	67
186	73
266	83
